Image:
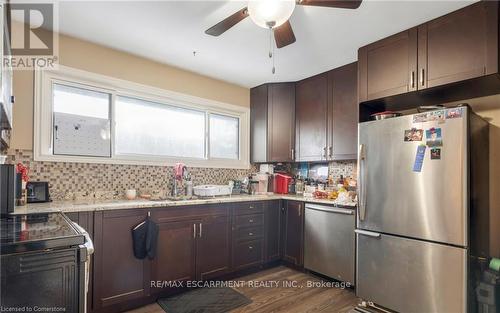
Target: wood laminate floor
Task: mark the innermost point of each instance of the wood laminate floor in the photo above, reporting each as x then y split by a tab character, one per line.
297	299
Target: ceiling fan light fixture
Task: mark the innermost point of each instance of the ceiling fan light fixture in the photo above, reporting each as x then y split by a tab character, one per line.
270	13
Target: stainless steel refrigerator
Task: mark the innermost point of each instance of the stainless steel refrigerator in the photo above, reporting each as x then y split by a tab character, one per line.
423	210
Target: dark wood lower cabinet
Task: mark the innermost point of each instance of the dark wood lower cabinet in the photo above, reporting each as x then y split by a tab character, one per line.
273	227
293	235
194	243
118	275
176	251
213	247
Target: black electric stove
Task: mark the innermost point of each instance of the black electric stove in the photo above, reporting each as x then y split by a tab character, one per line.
42	258
31	232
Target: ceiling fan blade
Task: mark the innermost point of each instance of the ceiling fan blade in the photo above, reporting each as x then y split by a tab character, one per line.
283	35
343	4
227	23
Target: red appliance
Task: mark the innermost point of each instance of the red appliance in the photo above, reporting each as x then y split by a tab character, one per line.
282	182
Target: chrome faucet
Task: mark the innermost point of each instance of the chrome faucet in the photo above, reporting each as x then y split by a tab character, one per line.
180	173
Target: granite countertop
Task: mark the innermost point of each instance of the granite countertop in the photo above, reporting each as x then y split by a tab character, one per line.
104	205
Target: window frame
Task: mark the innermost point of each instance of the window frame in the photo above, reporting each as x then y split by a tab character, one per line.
43	119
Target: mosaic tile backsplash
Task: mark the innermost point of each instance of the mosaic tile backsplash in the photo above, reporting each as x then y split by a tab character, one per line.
83	181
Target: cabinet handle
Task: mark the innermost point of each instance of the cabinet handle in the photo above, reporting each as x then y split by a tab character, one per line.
250	220
194	230
412	79
251	207
324	152
292	154
201	229
422	77
330	152
300	210
250	247
250	234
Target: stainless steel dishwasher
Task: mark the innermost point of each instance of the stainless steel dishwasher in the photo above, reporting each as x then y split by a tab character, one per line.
330	241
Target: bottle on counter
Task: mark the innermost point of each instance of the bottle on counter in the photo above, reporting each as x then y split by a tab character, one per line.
299	186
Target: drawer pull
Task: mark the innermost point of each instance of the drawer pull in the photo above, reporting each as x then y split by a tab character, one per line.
250	220
250	248
250	234
251	207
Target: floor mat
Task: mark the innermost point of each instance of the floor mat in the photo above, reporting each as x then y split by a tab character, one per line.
204	300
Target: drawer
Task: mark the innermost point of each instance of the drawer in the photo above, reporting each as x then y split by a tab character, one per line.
248	220
249	233
247	253
243	208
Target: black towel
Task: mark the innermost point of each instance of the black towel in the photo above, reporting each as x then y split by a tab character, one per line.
145	237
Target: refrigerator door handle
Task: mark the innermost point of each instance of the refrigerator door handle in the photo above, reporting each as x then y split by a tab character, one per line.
367	233
362	182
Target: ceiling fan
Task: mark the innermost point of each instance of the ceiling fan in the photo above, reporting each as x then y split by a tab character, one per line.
274	15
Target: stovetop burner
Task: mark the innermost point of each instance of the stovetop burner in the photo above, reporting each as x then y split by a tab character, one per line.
36	231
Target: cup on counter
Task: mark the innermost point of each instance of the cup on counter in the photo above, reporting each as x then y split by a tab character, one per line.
130	194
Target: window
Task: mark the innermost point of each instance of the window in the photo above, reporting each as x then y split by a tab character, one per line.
149	128
85	117
224	136
81	121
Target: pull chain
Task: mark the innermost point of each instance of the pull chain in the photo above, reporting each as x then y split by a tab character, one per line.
271	48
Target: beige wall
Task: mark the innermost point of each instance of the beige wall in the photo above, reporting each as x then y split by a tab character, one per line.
98	59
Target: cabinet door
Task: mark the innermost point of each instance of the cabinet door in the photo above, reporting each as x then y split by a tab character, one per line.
343	113
118	275
176	252
258	124
388	67
212	251
272	221
294	232
311	118
459	46
281	126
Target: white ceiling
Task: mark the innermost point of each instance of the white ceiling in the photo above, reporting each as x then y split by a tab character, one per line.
169	32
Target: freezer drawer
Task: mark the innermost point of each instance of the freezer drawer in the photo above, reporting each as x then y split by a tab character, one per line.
329	241
408	275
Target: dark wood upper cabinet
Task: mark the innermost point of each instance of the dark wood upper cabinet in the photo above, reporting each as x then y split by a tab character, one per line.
459	46
311	118
327	115
272	122
453	57
118	275
343	112
293	222
258	123
213	247
388	67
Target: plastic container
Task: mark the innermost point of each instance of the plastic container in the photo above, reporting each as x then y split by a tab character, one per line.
282	182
